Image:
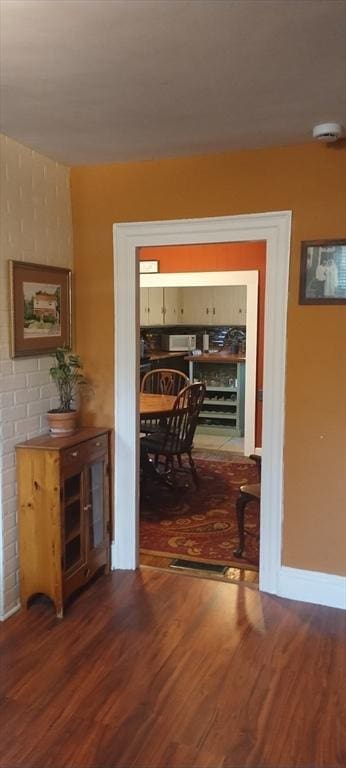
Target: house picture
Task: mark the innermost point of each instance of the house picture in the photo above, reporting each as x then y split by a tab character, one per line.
41	309
173	568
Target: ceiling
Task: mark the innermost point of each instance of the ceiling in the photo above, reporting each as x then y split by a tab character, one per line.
97	81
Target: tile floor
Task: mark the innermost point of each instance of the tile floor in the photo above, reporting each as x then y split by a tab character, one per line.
218	442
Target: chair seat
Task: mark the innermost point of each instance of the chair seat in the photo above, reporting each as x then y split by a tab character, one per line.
252	490
158	442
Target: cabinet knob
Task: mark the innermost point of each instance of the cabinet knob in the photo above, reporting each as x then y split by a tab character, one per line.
74	453
97	444
87	506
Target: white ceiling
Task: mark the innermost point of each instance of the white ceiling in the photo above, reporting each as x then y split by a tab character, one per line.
95	81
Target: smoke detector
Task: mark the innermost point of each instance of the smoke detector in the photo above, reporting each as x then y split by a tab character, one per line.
327	132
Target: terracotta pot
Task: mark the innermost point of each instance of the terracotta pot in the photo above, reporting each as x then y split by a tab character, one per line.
62	423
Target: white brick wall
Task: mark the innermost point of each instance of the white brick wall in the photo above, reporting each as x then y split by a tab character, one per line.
35	216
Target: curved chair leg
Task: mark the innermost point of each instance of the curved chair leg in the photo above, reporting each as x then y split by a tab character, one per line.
193	470
242	501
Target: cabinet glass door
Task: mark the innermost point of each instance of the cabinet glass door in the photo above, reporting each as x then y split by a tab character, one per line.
96	504
73	523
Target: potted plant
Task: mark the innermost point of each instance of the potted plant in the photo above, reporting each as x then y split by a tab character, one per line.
66	374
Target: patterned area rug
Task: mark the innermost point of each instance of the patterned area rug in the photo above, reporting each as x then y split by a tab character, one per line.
201	525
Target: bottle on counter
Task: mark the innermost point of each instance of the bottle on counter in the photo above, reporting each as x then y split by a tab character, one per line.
205	342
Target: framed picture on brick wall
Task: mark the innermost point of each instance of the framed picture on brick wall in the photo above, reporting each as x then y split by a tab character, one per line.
40	308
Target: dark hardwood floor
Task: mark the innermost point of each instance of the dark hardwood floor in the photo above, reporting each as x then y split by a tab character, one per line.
154	670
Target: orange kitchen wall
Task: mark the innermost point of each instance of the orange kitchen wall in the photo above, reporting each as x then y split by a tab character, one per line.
221	256
308	179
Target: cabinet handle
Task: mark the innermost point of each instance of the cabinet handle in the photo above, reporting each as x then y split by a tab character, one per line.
74	453
207	311
213	310
88	506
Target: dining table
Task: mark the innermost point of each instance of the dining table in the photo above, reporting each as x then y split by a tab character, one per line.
155	405
152	407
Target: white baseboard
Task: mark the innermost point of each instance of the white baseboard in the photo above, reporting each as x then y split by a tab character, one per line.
312	587
9	613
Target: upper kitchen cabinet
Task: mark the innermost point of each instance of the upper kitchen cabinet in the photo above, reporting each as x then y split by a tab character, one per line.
229	305
172	300
197	306
151	306
214	305
160	306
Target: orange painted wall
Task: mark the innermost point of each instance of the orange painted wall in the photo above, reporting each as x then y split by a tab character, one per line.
308	179
221	256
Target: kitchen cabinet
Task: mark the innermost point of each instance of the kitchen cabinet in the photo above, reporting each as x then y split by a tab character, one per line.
151	306
64	513
214	305
160	306
197	305
229	305
223	406
172	301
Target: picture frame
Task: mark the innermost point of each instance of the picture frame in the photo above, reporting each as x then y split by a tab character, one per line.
147	267
40	299
323	272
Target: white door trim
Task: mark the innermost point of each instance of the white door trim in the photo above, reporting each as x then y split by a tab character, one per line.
248	278
273	228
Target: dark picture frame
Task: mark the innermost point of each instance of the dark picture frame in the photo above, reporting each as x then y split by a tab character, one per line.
323	272
40	298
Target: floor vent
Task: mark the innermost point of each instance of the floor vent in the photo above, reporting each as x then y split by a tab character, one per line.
192	565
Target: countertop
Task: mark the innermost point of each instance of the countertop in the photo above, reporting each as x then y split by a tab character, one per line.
216	357
160	354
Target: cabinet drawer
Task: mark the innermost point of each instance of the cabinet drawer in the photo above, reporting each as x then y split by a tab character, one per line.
96	447
73	455
85	452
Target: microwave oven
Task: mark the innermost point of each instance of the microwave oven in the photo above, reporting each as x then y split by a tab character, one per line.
178	342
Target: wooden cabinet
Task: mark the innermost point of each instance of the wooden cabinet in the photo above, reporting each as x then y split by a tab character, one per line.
214	305
223	406
229	305
172	300
151	306
160	306
195	305
64	513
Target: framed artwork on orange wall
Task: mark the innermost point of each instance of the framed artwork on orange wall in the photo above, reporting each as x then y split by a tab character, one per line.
323	272
40	308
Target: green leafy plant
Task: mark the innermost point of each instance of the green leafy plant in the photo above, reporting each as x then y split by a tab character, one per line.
66	374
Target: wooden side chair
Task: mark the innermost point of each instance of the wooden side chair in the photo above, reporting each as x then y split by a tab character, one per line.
164	381
175	438
247	493
161	381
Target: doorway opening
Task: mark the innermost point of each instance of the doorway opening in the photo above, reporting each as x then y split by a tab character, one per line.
184	516
274	229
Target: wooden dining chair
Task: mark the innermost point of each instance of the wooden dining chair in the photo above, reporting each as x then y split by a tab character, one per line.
160	381
175	438
247	493
164	381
